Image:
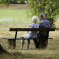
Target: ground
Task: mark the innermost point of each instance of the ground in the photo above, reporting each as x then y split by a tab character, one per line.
15	6
18	18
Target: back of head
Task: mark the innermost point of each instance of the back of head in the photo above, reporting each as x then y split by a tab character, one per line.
42	15
34	19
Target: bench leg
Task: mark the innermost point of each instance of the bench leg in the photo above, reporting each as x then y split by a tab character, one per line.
11	44
43	43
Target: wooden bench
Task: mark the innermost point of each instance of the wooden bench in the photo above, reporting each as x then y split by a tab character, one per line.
12	41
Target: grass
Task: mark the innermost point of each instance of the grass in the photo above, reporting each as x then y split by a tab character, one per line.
13	16
18	18
39	55
13	13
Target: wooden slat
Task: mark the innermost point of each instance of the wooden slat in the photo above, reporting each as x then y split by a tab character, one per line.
31	29
24	38
52	29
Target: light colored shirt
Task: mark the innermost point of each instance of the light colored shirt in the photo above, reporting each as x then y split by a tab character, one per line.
31	34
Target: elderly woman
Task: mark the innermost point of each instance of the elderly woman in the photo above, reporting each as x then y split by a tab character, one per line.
30	34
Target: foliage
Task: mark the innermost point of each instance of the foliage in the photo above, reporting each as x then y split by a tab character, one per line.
7	2
49	7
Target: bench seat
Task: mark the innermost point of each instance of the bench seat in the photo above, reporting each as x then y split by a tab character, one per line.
24	38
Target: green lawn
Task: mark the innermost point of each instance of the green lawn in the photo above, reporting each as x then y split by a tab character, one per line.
8	16
18	18
13	13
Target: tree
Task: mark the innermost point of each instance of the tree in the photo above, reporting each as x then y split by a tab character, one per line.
22	1
7	2
49	7
12	1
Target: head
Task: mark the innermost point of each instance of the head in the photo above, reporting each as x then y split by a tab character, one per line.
34	19
41	16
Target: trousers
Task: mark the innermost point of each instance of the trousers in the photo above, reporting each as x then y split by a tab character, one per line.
37	41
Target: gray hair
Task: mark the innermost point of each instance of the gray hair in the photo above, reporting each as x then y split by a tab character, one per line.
34	19
42	15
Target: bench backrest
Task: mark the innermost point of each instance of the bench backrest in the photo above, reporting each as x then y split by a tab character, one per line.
32	29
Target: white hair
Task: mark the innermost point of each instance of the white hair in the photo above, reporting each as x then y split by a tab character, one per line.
42	15
34	19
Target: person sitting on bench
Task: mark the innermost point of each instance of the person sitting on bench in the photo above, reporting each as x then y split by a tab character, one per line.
30	34
44	23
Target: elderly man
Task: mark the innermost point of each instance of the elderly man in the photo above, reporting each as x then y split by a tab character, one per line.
44	23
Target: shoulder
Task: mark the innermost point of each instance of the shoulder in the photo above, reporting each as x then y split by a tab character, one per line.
37	25
40	22
44	21
31	25
47	21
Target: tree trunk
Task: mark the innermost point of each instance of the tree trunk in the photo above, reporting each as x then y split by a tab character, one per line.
22	1
51	22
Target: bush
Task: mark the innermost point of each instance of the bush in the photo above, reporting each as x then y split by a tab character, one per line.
49	7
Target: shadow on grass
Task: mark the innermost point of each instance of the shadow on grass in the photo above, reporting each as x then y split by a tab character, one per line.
2	49
32	55
18	55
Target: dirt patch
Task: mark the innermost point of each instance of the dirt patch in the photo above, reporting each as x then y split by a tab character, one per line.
15	6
